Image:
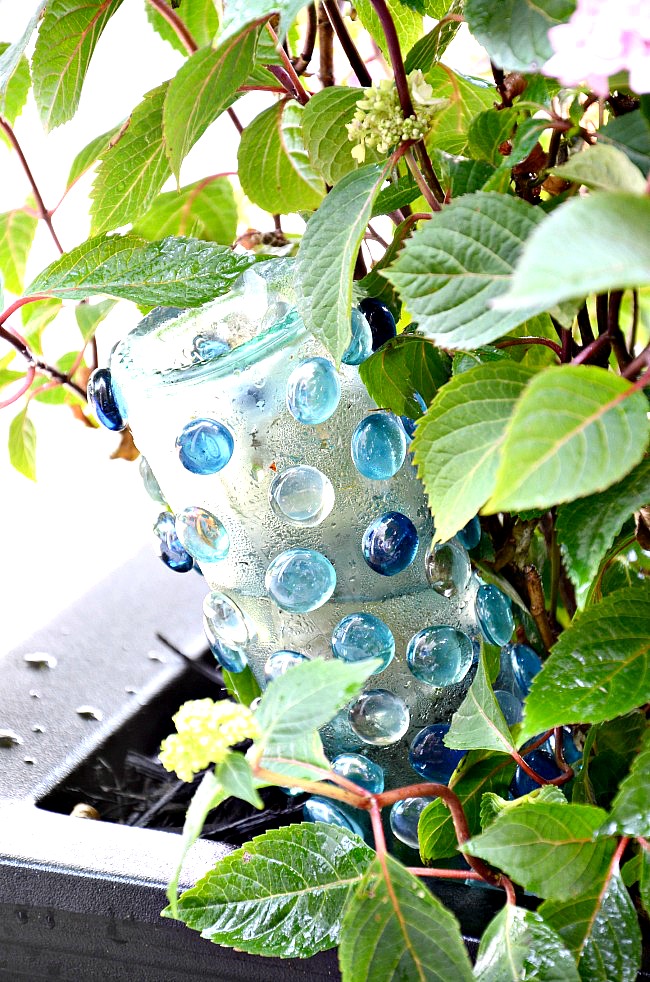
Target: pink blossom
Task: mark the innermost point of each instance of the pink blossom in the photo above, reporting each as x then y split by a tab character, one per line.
602	38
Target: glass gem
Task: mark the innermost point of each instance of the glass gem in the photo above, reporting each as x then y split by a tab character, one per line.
225	620
380	319
494	614
448	568
511	707
317	809
379	446
440	656
410	424
404	818
205	446
280	662
175	562
390	543
543	764
360	770
300	580
358	637
106	399
172	552
429	756
150	483
302	496
525	663
232	659
379	717
470	536
313	391
570	751
205	348
202	534
360	346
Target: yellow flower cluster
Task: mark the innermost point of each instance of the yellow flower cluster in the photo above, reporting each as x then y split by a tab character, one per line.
205	732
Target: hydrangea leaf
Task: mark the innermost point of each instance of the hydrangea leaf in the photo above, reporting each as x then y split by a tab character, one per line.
17	89
514	32
22	444
199	16
17	230
204	210
403	366
519	944
630	811
602	168
90	154
11	63
478	723
326	138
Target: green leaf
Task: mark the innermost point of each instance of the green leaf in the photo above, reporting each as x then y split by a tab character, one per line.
325	135
467	97
262	897
240	14
90	316
494	805
431	47
205	210
201	90
488	131
601	928
176	272
207	796
88	157
461	260
274	169
394	930
576	429
630	813
17	230
518	944
464	361
602	168
327	254
402	367
586	528
8	377
395	195
15	95
236	778
630	134
478	772
35	318
242	686
644	880
200	19
457	443
466	176
549	848
374	284
478	723
514	32
133	170
608	649
12	64
609	750
408	23
22	444
66	41
586	245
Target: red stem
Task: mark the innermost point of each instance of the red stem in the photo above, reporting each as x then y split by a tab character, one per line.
511	342
43	213
299	92
25	384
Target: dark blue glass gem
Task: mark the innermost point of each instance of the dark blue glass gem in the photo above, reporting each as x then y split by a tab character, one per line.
526	663
470	536
543	763
106	400
205	446
390	543
494	614
380	319
172	553
429	757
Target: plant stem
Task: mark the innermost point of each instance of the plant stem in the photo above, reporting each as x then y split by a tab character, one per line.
43	212
18	342
641	361
299	91
425	190
510	342
555	573
592	349
631	341
24	385
538	605
584	325
325	48
357	63
301	63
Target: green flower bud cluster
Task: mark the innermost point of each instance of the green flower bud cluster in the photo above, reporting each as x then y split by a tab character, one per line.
206	731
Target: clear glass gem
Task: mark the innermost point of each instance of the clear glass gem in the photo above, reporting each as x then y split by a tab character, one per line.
172	552
202	534
106	399
360	770
525	663
225	620
380	319
302	496
280	662
358	637
317	809
300	580
440	656
232	659
404	818
511	707
205	347
150	483
429	756
390	543
494	614
205	446
448	568
470	536
313	391
379	446
360	346
379	717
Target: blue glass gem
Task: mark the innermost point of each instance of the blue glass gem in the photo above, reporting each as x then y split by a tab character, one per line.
317	809
380	319
202	534
448	568
205	446
300	580
302	496
390	543
358	637
570	751
429	756
410	424
106	399
525	663
511	707
360	346
174	562
223	619
280	662
379	717
205	348
440	656
150	483
232	659
543	763
404	818
172	553
379	446
470	536
360	770
313	391
494	614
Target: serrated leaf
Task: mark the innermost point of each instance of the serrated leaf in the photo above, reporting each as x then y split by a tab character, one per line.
296	758
274	169
35	318
494	805
630	134
199	16
17	230
603	168
458	262
327	254
519	944
133	170
644	880
176	272
235	776
15	94
205	210
586	528
282	894
549	849
90	316
90	154
22	444
240	14
397	194
609	749
608	649
514	33
394	929
586	245
488	130
478	723
66	41
467	97
408	23
602	930
630	812
457	443
402	367
11	62
431	47
467	176
325	135
576	429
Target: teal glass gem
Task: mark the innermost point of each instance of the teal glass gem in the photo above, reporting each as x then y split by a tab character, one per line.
440	656
205	446
404	818
300	580
470	536
360	346
430	757
232	659
494	614
358	637
223	619
448	568
202	534
360	770
525	663
150	483
379	717
280	662
106	399
313	391
302	496
317	809
390	543
410	424
379	446
172	552
511	707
